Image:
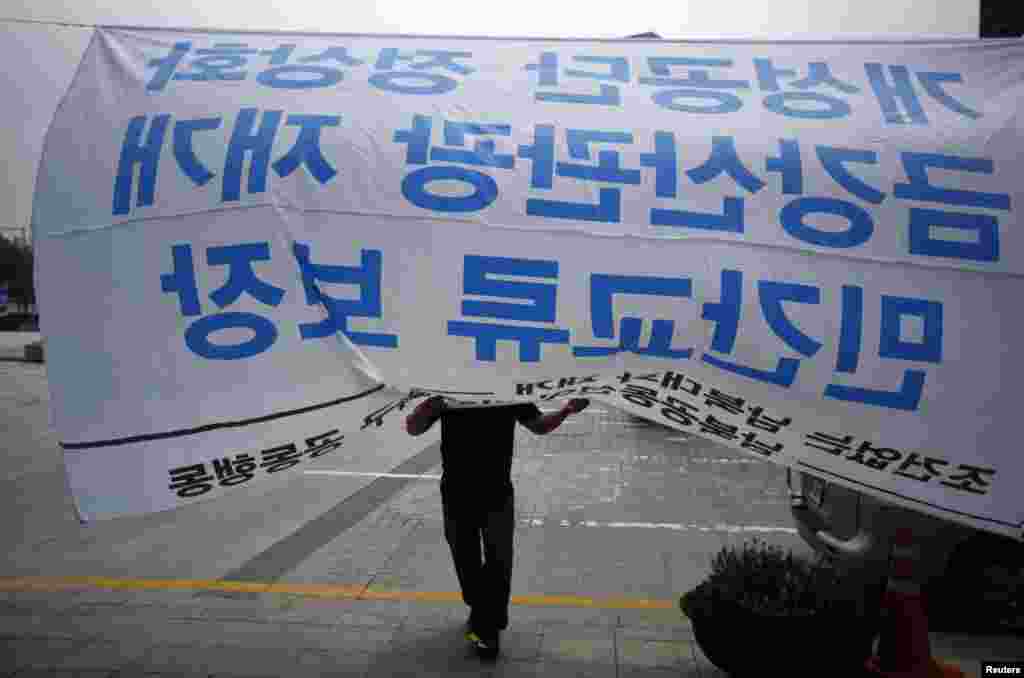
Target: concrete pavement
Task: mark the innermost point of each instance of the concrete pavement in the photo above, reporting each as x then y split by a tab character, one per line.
12	344
344	570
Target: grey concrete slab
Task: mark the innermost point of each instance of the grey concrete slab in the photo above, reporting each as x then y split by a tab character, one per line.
431	651
655	672
287	553
218	660
653	653
429	615
136	629
545	618
361	614
577	644
339	663
354	558
20	653
100	656
36	626
48	673
561	669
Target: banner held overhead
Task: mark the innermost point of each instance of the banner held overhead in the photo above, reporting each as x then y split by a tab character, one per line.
249	245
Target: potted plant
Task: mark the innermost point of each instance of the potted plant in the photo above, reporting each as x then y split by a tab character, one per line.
762	610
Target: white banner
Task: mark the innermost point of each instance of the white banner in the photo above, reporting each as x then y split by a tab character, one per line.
802	250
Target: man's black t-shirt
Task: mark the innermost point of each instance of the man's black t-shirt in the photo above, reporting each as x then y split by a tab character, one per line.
476	453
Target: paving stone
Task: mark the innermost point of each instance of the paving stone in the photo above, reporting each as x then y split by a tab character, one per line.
338	662
521	646
38	626
146	629
57	601
458	664
544	617
577	646
658	619
98	656
689	671
47	673
654	653
36	653
428	642
554	669
222	660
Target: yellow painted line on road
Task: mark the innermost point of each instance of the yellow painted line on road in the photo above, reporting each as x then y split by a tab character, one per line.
336	591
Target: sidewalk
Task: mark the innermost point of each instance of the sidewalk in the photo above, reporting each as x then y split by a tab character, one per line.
371	598
12	344
111	633
184	633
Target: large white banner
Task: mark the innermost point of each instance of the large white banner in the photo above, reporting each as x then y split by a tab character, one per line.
808	251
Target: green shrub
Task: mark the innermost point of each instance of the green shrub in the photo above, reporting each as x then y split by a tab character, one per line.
766	580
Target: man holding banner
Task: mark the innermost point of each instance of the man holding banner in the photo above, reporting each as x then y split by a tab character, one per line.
478	501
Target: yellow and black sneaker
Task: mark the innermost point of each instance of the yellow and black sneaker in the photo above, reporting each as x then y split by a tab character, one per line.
486	646
469	633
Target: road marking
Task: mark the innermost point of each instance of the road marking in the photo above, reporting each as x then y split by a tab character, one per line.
678	527
542	522
366	474
335	591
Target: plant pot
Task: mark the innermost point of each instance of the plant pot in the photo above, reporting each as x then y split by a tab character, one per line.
742	642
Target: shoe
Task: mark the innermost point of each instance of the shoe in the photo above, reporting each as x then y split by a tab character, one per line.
487	646
469	633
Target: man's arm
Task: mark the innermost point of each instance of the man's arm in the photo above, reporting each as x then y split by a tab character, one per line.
546	423
423	417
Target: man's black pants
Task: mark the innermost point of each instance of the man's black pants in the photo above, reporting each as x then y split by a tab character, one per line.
486	582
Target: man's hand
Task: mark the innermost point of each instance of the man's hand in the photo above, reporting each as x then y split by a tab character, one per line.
435	404
576	405
425	414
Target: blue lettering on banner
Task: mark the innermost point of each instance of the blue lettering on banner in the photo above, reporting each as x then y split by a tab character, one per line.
420	152
607	95
395	71
834	160
688	85
251	138
367	276
698	92
257	144
476	154
891	346
536	324
723	160
608	169
920	189
414	80
309	72
813	105
603	287
899	101
241	280
541	311
146	155
726	316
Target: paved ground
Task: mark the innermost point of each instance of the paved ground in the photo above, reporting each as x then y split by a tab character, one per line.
12	344
343	570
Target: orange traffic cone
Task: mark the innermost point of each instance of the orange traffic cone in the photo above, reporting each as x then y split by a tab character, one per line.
904	649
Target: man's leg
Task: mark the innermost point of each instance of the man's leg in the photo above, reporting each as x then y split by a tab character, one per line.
496	586
462	532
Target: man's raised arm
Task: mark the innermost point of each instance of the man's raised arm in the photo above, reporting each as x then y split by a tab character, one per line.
546	423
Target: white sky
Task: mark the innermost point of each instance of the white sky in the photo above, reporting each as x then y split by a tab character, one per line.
32	93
